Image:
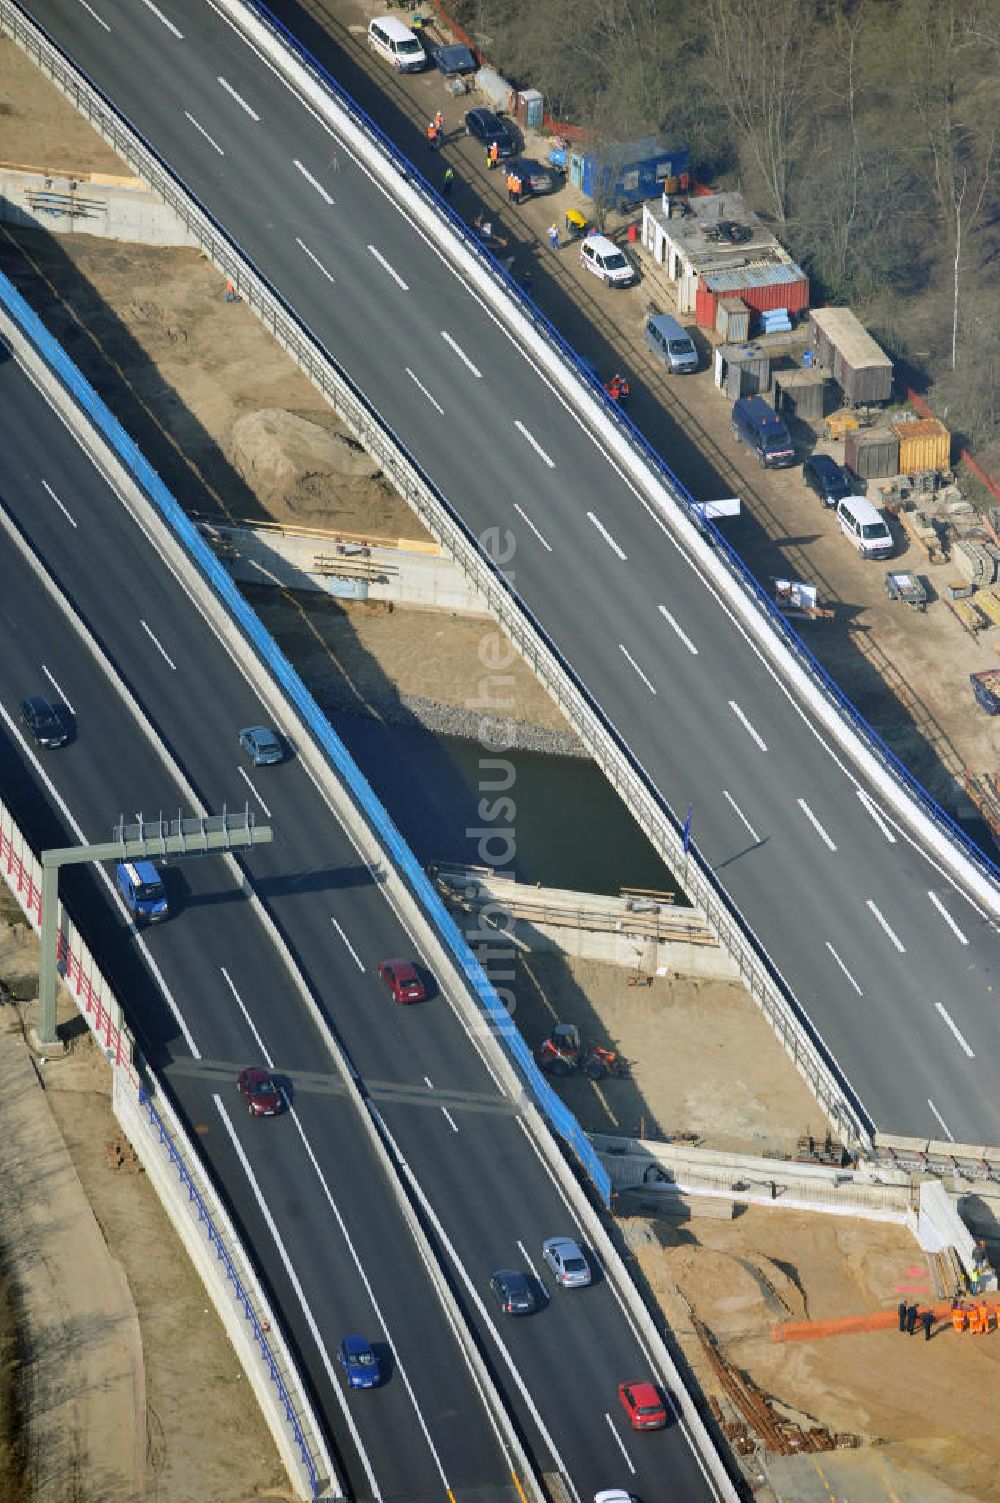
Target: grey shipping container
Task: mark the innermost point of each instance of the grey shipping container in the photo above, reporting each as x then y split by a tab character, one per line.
872	453
732	320
801	394
844	347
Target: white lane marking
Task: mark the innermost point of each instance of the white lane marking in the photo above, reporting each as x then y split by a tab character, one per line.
312	181
810	816
269	1062
161	17
525	518
534	1271
453	344
314	259
744	722
870	807
239	98
266	572
940	1008
203	132
844	969
371	1295
340	1223
331	1372
449	1118
885	925
70	519
54	682
533	441
428	1083
941	1122
387	267
638	1336
249	782
635	665
422	388
621	1443
740	815
962	939
149	633
605	534
92	12
353	952
104	876
476	1298
692	649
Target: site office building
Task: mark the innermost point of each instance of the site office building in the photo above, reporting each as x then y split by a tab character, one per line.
690	239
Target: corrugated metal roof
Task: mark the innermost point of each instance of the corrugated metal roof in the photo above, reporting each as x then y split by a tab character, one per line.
763	274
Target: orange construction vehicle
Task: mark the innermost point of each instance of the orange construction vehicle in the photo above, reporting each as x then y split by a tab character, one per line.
562	1054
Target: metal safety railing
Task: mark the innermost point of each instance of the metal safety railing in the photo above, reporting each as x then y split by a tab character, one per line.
242	1294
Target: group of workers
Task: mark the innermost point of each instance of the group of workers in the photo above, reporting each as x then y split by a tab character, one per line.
979	1318
975	1318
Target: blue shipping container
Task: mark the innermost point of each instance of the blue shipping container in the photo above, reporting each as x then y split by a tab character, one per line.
630	172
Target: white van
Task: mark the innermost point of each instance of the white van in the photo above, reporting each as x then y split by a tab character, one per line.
866	527
601	256
397	44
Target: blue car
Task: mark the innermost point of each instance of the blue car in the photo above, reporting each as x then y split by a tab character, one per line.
262	745
454	59
360	1363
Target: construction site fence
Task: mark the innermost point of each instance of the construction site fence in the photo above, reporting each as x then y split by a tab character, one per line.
317	363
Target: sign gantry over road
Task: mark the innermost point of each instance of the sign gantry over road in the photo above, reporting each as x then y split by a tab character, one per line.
142	840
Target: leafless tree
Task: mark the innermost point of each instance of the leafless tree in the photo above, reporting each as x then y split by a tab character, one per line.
954	101
759	50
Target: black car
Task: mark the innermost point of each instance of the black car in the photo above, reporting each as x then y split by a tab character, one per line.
827	478
535	177
512	1292
487	127
454	59
43	722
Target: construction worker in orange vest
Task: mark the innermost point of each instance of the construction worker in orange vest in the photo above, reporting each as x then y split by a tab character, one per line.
439	122
976	1320
958	1317
514	187
493	156
432	135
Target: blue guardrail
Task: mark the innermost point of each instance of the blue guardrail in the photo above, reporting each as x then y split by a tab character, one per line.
246	1304
347	769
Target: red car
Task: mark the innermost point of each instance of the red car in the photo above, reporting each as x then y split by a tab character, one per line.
263	1095
400	976
643	1405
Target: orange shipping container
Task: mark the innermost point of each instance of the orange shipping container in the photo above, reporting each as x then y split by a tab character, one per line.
923	445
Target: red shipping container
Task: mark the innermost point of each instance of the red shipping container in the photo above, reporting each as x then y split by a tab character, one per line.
791	295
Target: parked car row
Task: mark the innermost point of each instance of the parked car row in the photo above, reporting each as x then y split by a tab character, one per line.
756	424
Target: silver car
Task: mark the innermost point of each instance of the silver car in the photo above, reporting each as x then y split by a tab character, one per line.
569	1267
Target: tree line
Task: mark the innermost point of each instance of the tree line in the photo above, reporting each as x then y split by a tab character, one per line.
866	132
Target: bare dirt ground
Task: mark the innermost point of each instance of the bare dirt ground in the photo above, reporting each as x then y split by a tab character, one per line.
182	369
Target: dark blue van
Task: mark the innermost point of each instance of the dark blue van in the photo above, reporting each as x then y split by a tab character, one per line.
756	424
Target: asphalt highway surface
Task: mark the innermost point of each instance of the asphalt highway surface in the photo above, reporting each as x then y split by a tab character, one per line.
208	994
891	962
